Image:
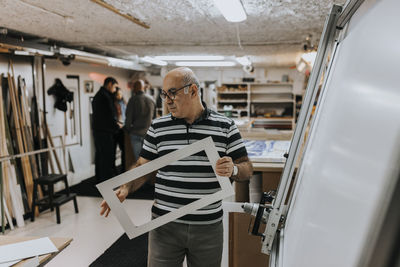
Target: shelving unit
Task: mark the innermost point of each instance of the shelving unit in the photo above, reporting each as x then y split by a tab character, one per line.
233	100
268	105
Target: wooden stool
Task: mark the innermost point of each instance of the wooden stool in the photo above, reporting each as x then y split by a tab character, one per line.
52	199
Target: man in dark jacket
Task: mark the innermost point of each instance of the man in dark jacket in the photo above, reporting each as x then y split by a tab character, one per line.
105	125
139	113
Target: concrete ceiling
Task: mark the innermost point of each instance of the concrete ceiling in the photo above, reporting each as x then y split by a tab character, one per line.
273	33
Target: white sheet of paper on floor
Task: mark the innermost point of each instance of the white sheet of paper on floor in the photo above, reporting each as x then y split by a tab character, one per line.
26	249
32	262
9	263
106	188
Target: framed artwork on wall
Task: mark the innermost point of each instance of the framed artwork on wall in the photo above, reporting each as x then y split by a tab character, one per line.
89	86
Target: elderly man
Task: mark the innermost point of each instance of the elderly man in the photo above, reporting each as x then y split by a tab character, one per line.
198	236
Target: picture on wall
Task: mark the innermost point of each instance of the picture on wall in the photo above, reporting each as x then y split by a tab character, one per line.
89	86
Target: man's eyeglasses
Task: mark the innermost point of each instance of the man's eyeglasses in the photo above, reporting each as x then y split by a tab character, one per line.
172	92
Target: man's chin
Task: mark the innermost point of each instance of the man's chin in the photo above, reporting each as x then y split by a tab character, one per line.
174	113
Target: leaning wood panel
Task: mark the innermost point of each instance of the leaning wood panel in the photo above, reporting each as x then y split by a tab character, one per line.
26	121
26	168
4	170
14	201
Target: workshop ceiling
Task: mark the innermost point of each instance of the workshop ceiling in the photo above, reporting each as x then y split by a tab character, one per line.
274	30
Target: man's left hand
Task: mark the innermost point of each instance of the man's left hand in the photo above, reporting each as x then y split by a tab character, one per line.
224	167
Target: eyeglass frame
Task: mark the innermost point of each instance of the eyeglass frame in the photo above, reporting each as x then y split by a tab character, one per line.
172	91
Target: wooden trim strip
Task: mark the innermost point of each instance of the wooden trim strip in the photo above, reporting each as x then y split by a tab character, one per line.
127	16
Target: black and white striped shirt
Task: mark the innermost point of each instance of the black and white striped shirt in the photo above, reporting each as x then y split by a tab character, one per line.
191	178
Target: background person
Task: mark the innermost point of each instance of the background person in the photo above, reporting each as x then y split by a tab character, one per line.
139	113
120	106
105	125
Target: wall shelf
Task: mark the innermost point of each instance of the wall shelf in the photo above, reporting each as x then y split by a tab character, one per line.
268	101
233	92
273	103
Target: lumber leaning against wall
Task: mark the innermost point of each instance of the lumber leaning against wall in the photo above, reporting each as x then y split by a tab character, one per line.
26	167
26	119
13	194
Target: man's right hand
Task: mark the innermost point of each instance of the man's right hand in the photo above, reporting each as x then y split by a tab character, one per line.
121	193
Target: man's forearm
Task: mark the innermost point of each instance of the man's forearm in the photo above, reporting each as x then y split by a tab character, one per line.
134	185
245	169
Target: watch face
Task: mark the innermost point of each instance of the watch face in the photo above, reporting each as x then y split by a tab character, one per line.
235	170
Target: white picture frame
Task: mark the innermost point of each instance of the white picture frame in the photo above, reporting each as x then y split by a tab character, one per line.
107	188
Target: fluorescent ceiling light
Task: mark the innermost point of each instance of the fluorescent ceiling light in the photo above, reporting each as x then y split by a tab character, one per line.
67	52
154	61
245	61
205	63
99	59
21	53
189	58
91	60
232	10
40	52
122	63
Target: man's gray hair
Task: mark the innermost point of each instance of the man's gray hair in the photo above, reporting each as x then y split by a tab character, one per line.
189	77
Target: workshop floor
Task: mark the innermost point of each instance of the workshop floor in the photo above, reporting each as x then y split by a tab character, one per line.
93	234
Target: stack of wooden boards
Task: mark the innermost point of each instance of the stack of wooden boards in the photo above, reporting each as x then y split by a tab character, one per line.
21	134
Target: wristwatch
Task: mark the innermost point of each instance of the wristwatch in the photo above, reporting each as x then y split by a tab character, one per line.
235	170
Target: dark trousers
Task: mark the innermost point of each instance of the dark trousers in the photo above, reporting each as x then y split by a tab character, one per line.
201	244
120	142
104	155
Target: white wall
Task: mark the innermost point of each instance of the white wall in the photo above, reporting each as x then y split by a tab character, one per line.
82	156
22	66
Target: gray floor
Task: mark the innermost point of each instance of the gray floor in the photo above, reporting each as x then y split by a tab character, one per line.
91	233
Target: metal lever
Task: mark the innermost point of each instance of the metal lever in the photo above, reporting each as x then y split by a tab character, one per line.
260	211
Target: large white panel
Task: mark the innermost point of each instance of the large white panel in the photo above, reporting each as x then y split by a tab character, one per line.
354	147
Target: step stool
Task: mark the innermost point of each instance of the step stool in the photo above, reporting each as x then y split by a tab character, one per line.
52	199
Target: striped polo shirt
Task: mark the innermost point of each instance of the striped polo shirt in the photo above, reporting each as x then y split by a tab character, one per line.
191	178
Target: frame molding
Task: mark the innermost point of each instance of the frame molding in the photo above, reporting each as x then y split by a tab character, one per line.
106	188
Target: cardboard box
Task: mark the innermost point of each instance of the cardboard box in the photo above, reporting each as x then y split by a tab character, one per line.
244	248
242	191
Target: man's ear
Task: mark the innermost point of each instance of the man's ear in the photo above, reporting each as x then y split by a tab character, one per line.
195	90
